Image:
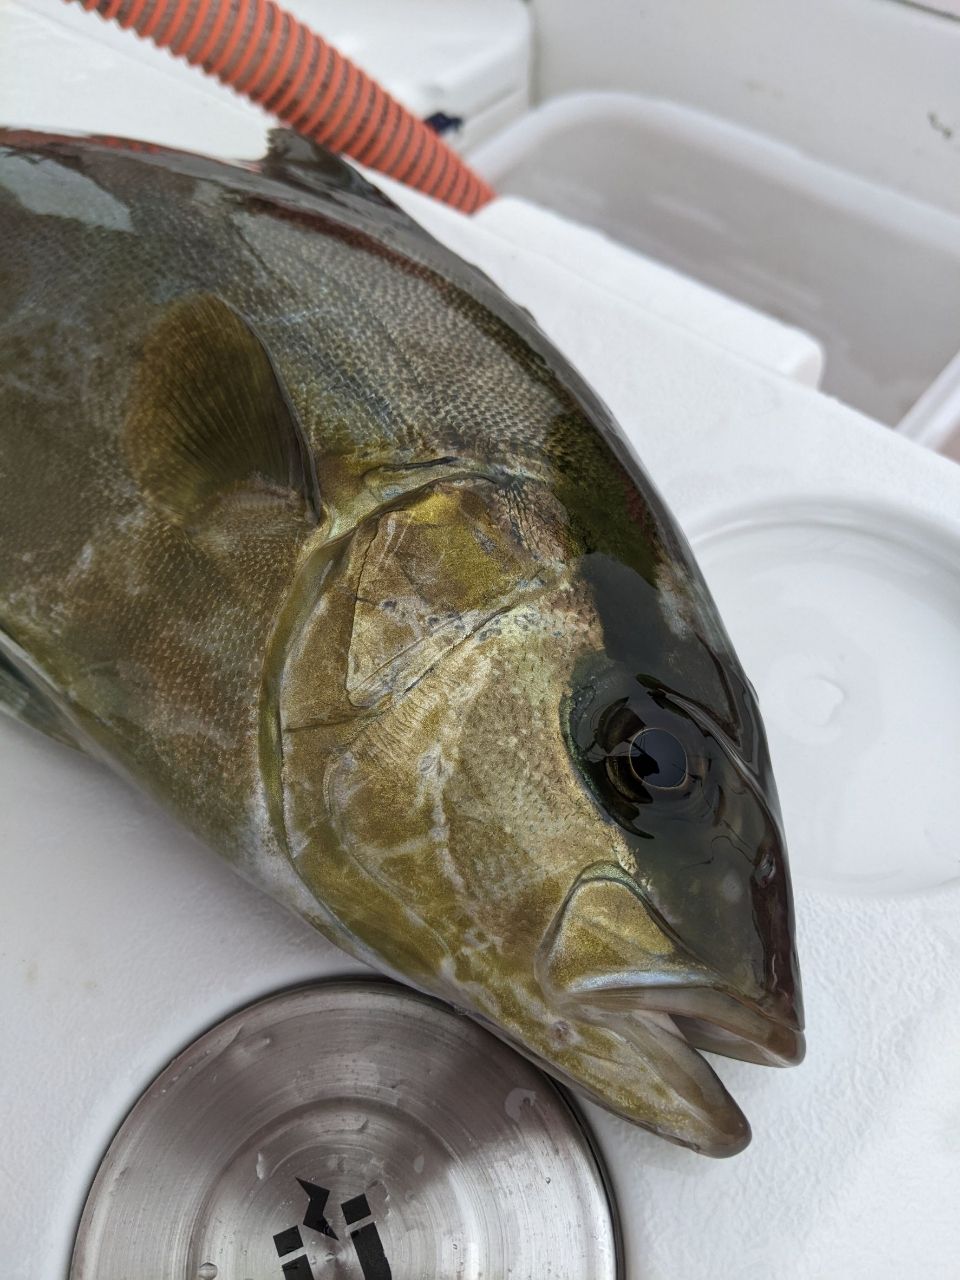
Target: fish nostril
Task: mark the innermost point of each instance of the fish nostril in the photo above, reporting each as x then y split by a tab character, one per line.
782	1003
766	870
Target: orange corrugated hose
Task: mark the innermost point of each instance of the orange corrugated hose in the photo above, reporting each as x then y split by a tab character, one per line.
264	52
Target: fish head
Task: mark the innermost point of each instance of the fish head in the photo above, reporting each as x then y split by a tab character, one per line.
691	791
543	792
691	934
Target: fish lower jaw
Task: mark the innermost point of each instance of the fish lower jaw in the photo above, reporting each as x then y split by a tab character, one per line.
660	1078
695	1109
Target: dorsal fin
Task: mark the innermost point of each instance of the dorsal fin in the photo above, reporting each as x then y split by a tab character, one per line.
209	416
296	160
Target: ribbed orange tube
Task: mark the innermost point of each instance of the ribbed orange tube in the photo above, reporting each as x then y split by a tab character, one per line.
264	52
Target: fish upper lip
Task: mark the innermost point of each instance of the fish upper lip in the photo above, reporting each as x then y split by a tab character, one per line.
717	1021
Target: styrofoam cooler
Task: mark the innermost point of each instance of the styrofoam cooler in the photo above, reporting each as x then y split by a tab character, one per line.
833	548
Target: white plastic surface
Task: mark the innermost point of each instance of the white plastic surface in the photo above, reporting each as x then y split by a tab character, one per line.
872	274
813	586
466	60
121	938
935	418
572	246
869	86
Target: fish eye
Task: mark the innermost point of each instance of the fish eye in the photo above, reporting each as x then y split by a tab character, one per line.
657	759
647	762
641	751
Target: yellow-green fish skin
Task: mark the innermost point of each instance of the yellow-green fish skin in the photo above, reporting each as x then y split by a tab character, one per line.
309	530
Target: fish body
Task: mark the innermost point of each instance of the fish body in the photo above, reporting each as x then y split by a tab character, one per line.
308	530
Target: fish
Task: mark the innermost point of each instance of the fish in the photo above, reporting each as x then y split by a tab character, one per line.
309	531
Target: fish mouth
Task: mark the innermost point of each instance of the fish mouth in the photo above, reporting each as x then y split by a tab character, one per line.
717	1021
649	1008
669	1027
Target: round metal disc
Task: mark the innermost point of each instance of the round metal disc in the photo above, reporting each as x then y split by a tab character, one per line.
353	1130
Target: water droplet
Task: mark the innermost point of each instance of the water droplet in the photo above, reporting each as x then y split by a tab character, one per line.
516	1100
208	1271
418	1163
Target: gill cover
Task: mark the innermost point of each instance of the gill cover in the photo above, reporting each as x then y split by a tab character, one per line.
375	615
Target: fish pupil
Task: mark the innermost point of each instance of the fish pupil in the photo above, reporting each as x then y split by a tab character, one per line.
658	759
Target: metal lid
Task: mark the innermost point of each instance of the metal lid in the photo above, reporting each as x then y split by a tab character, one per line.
354	1130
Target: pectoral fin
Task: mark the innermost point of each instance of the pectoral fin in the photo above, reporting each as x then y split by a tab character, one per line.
209	417
23	697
